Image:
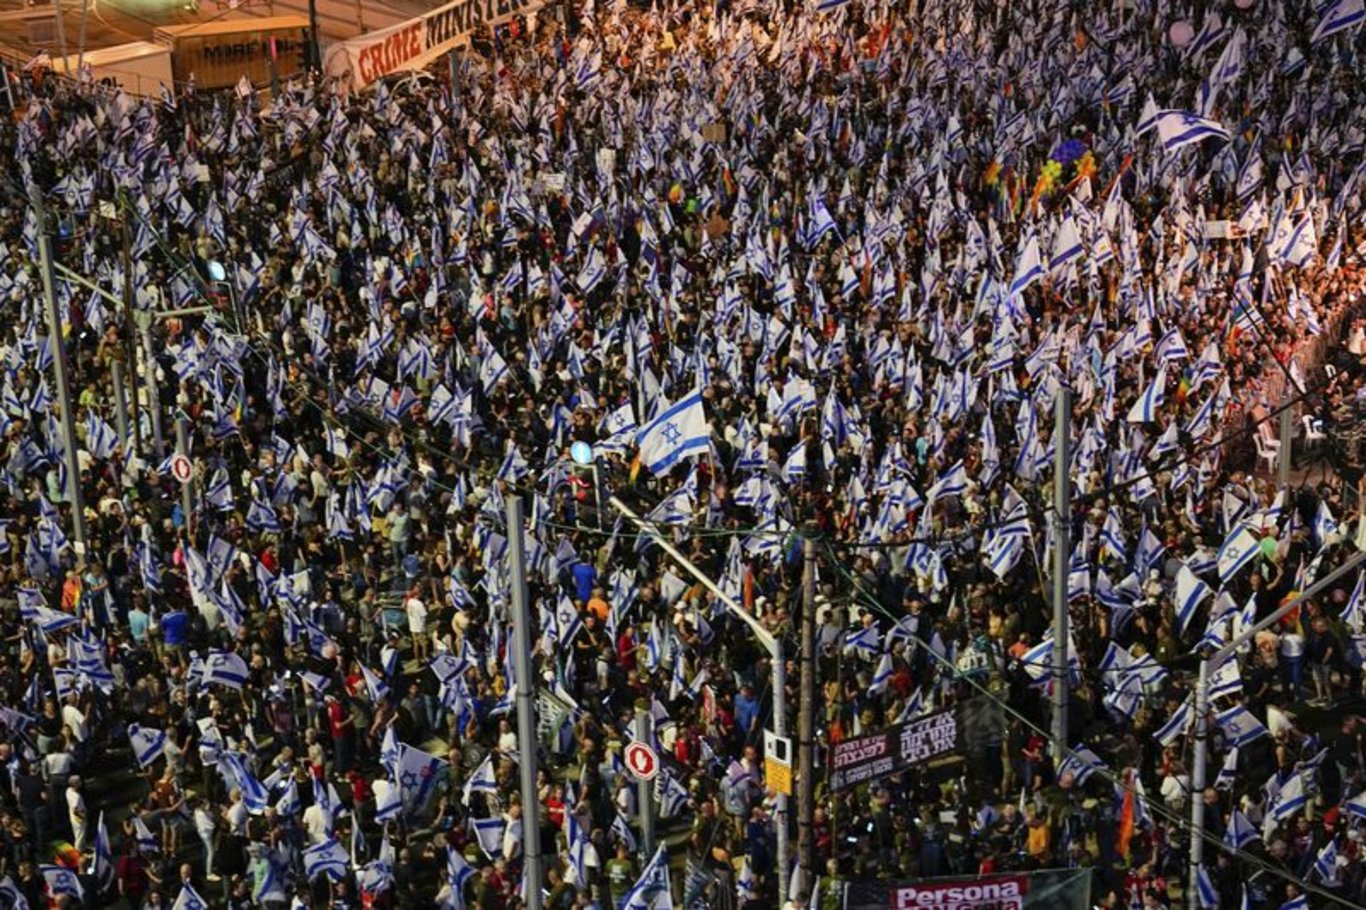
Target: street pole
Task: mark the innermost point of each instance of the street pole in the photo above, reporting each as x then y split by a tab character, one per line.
644	733
182	445
780	729
526	686
130	346
1062	558
1197	794
1197	845
806	722
315	59
153	390
121	410
59	373
1287	419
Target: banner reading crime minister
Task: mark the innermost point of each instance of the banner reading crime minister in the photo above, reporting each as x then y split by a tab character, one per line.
418	42
868	758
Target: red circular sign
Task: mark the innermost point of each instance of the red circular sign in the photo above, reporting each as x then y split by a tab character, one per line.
642	761
181	469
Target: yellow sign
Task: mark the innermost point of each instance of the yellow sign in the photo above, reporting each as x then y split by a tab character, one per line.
778	763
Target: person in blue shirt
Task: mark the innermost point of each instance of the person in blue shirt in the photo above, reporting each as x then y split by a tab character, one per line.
585	578
175	629
746	714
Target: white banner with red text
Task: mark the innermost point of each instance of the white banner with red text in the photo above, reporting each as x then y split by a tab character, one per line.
414	44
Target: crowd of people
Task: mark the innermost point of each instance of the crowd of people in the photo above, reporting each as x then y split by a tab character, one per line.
813	272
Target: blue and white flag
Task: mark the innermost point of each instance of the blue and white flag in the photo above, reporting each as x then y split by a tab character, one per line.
483	780
328	858
1145	409
1228	772
1326	864
1181	128
1029	267
489	833
1295	903
1356	806
102	864
1289	801
189	899
1239	726
1190	592
148	744
651	891
417	773
680	431
1081	762
1205	890
1239	549
1177	725
11	893
61	880
1240	831
1341	15
226	668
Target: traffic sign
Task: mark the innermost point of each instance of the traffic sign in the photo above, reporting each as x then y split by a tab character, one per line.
181	469
778	763
642	761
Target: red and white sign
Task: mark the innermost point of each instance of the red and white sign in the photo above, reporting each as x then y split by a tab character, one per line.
642	761
417	43
1003	893
181	469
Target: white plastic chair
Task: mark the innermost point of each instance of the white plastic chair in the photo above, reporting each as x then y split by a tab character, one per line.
1268	448
1313	432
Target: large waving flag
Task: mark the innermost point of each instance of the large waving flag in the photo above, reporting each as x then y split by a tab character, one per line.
651	890
328	858
1237	551
1239	726
148	744
418	773
1342	15
1182	128
226	669
1146	407
679	432
1190	592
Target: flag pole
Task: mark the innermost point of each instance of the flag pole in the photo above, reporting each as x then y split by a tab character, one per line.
182	443
1062	559
526	716
59	371
644	733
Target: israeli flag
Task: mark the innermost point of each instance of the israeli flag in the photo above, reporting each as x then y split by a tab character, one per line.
1239	726
328	858
1341	15
1177	725
1145	409
418	773
1290	800
1178	129
1326	864
1190	592
1082	763
1205	890
226	669
148	744
680	431
1240	832
483	780
1228	772
489	833
102	865
651	891
1356	806
62	881
189	899
1239	549
1029	267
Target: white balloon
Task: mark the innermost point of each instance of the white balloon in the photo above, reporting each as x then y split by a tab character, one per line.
1181	33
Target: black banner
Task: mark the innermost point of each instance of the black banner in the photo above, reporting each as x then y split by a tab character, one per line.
869	758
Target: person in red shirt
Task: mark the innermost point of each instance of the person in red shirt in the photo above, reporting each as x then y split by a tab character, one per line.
343	730
626	648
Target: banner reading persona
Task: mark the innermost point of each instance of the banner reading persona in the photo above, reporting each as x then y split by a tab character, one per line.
1000	893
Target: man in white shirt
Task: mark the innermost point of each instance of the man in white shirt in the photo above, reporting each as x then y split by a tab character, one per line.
204	826
317	823
417	623
75	810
